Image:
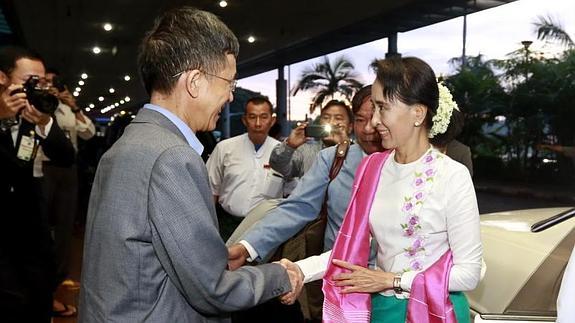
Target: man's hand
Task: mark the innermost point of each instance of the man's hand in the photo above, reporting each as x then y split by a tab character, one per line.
34	116
297	136
296	279
68	99
237	255
12	103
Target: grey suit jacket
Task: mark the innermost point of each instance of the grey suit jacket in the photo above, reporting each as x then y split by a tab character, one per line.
152	252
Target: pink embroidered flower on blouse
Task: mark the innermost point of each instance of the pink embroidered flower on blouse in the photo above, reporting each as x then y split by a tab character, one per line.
429	172
407	206
410	252
418	195
414	220
418	182
409	231
417	244
428	159
416	265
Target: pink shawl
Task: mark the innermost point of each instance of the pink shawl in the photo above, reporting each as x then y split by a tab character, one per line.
429	294
352	245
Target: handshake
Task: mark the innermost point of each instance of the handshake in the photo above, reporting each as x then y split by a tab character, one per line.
237	255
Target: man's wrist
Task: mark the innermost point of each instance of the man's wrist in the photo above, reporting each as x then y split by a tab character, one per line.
291	145
252	254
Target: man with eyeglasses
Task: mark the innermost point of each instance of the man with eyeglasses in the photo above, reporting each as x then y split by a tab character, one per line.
239	169
26	260
152	251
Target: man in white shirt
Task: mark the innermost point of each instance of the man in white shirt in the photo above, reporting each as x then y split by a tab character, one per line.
239	170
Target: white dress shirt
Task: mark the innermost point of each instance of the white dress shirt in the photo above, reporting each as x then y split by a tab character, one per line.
449	218
239	175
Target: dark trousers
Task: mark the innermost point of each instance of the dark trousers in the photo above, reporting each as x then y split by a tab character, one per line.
228	223
270	311
59	205
25	291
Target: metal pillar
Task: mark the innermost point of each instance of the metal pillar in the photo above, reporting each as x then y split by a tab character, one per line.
226	121
392	47
281	102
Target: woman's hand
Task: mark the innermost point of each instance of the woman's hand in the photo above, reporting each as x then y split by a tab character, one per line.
362	280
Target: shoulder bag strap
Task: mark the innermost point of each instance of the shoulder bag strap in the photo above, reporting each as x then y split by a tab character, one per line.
340	154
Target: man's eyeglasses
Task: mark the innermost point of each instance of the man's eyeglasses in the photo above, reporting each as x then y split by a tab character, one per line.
231	83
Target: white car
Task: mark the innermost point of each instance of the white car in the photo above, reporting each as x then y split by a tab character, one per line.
526	253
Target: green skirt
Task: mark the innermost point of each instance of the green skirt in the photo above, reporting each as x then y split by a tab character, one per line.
389	309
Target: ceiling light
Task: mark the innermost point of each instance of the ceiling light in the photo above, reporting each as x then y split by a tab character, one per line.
122	112
78	89
127	78
91	105
111	90
88	109
96	50
80	82
251	39
101	98
122	101
107	26
84	76
223	3
127	99
75	94
116	104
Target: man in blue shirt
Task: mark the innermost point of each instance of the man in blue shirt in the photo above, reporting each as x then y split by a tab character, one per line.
304	204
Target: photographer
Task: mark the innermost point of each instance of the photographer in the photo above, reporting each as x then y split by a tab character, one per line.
59	185
295	155
26	260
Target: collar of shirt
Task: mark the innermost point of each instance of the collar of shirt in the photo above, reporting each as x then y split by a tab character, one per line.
181	125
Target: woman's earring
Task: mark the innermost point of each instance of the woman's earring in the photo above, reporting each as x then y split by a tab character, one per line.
417	123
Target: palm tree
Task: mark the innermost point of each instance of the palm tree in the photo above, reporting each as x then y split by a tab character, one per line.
548	29
328	78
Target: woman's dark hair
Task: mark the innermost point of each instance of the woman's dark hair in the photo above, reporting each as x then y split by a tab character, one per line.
412	81
360	97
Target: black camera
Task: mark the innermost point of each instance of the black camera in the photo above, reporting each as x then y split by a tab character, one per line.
318	131
39	97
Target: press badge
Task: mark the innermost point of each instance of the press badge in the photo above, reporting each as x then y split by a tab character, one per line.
27	148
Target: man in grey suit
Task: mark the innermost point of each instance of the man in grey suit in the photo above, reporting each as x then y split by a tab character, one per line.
152	251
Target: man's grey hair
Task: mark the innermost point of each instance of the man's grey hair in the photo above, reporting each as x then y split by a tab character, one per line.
182	39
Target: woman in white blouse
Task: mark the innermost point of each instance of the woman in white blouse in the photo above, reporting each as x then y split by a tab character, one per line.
423	211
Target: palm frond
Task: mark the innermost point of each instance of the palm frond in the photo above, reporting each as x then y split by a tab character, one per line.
549	30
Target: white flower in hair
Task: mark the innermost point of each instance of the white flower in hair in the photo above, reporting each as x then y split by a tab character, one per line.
442	116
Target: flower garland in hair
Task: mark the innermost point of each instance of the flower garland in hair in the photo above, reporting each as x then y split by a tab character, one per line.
444	111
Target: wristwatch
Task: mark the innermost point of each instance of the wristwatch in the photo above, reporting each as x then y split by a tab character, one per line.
397	284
